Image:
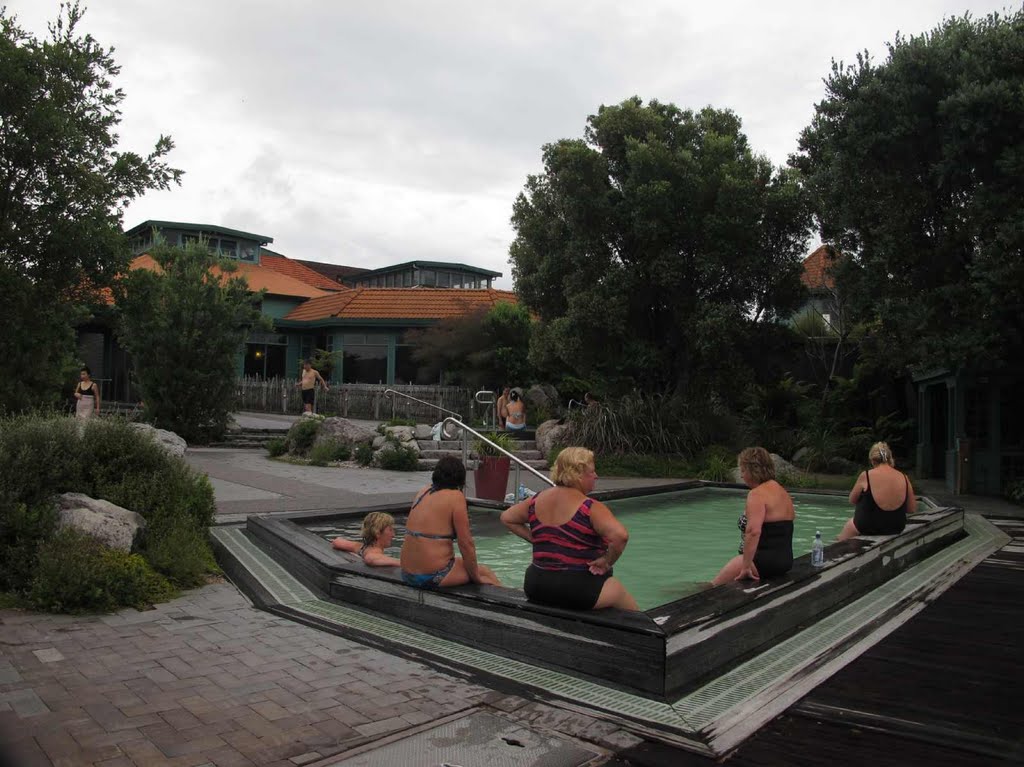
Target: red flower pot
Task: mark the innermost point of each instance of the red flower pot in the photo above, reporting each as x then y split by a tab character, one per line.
491	477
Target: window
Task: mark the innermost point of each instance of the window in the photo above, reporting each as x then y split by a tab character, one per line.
407	370
407	279
188	239
416	277
228	248
429	278
443	279
265	360
391	281
365	363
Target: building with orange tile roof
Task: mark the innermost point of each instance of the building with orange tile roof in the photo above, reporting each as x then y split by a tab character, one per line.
362	328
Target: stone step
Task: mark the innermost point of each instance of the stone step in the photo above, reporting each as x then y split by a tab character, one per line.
456	444
525	455
427	464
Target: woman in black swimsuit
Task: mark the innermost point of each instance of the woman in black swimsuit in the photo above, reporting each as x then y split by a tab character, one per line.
88	395
882	495
766	527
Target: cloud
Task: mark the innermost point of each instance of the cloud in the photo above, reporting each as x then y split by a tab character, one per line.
369	134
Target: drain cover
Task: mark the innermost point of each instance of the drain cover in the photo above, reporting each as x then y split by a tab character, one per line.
476	740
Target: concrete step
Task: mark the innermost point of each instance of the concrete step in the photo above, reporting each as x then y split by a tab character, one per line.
455	444
427	464
525	455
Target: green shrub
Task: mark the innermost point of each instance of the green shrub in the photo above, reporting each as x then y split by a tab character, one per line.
328	451
23	529
104	459
364	454
277	446
398	458
1015	491
716	468
40	456
502	439
76	573
302	435
632	465
178	547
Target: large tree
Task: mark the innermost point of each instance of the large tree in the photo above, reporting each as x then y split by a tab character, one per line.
652	249
916	166
63	187
184	324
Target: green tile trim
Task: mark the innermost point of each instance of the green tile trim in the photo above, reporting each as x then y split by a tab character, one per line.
686	716
703	706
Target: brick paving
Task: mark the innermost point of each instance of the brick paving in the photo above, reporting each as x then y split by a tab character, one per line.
208	680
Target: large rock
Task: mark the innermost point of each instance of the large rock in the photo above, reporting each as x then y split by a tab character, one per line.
401	433
424	431
548	435
344	431
168	440
543	396
110	524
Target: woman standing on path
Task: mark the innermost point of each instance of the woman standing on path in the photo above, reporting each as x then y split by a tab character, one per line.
88	395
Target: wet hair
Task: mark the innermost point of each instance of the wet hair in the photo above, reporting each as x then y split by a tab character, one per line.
513	396
880	453
374	525
85	369
307	362
570	465
449	473
758	463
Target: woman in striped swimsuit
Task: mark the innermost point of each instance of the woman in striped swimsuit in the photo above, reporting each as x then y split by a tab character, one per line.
576	540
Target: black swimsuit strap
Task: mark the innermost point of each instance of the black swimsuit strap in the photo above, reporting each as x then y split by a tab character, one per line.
428	491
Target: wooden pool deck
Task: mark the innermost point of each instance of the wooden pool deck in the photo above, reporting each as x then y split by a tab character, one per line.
946	688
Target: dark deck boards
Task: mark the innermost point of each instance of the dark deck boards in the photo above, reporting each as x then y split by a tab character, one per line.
947	688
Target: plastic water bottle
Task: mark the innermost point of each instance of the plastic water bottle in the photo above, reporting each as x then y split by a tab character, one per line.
818	551
523	492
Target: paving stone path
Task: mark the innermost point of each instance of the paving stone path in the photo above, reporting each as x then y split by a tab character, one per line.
208	680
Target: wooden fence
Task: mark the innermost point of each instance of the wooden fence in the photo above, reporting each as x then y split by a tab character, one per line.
281	395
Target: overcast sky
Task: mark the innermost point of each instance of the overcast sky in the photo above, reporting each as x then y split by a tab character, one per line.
373	133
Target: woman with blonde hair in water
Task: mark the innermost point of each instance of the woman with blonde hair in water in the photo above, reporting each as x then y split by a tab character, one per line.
377	533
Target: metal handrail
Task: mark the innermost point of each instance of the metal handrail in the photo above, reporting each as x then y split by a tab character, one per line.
388	392
490	414
517	461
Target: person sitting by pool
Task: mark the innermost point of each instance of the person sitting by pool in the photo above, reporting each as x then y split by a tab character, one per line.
439	517
377	533
882	495
575	539
766	527
516	410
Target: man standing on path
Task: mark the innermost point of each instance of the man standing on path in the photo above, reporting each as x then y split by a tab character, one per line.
308	381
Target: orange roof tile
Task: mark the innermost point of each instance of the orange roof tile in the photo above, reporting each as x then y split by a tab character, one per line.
815	275
400	303
258	277
292	268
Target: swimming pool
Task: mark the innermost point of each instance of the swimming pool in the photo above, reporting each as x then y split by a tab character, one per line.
669	555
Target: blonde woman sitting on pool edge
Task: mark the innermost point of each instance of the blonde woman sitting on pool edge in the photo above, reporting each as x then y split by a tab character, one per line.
377	533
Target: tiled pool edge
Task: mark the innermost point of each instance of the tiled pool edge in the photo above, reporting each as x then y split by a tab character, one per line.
713	719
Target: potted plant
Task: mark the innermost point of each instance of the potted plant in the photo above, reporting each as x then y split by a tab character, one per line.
491	474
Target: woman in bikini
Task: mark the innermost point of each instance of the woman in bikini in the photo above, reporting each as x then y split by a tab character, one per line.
882	495
766	527
516	409
88	395
377	534
575	539
437	519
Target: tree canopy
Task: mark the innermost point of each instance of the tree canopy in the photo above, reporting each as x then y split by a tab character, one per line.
184	326
63	187
916	166
652	249
486	347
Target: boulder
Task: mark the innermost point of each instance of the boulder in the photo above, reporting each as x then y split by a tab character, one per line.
343	431
378	442
424	431
548	435
412	445
168	440
401	433
544	396
113	526
843	466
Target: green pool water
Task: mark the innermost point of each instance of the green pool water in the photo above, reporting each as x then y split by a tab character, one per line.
677	541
